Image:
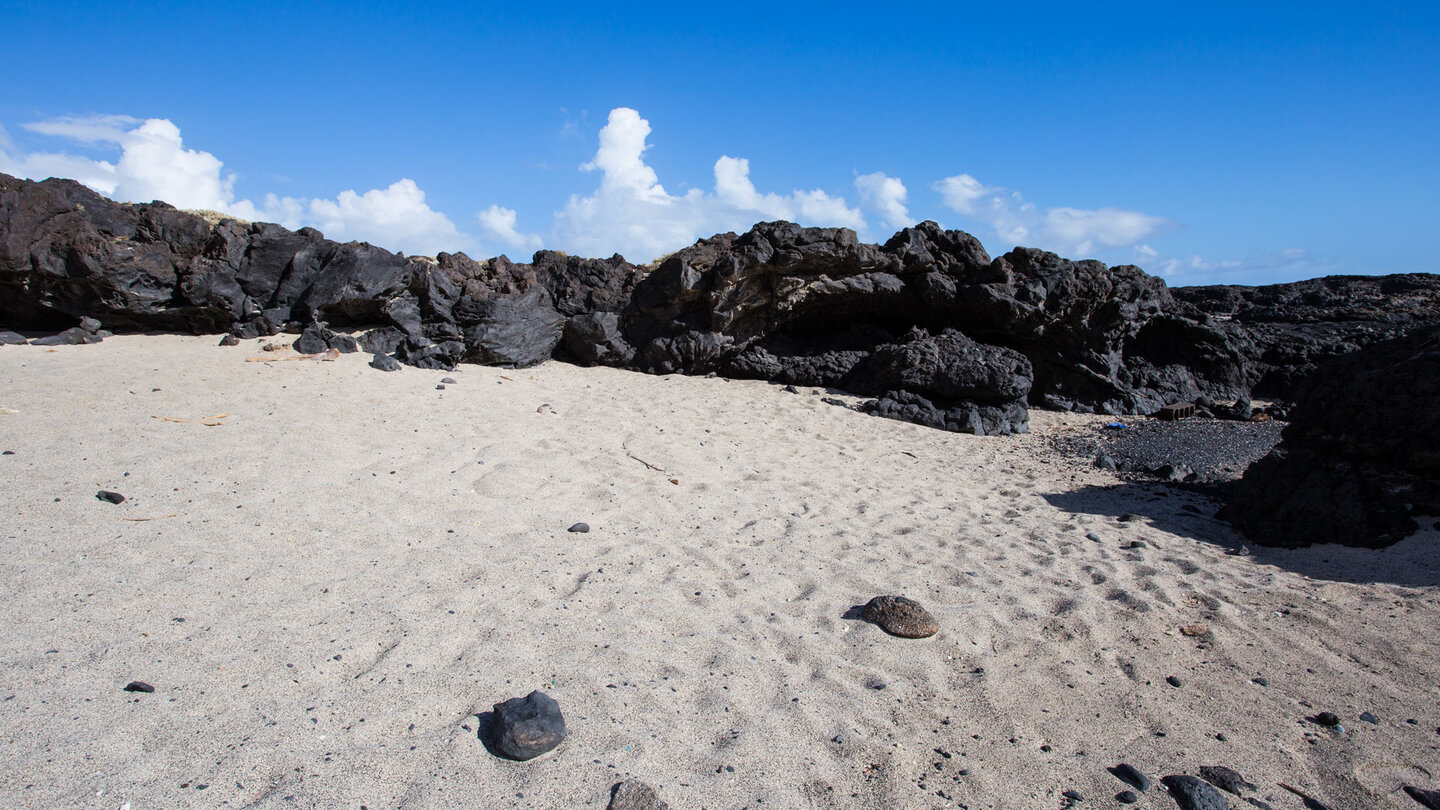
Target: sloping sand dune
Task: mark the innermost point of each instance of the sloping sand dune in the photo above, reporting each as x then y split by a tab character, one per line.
328	587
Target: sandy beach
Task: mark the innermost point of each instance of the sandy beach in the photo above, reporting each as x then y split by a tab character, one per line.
327	586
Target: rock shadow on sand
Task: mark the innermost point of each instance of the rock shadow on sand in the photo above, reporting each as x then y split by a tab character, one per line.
1413	562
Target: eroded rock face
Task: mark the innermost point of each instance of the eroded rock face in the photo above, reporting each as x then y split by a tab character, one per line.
807	305
67	252
1292	328
1363	443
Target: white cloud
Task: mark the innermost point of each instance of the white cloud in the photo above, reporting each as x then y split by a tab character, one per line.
886	196
1069	231
86	128
155	165
397	218
499	223
631	212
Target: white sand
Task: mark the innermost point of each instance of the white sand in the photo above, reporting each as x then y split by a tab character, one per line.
363	563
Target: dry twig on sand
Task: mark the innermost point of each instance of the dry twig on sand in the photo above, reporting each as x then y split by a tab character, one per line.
208	421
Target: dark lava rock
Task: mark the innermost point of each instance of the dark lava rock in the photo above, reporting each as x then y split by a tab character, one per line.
947	381
900	616
595	338
1363	445
1225	779
1327	719
1191	793
1427	798
1131	776
579	527
511	330
70	337
8	338
633	795
384	362
112	497
229	340
527	727
1127	797
1173	681
139	686
1292	329
805	305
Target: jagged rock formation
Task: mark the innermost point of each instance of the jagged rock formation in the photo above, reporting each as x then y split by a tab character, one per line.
1291	328
1360	456
809	305
931	326
67	252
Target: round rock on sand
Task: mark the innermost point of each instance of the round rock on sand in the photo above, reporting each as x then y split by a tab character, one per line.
900	616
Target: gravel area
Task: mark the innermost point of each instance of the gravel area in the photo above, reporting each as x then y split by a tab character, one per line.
1217	450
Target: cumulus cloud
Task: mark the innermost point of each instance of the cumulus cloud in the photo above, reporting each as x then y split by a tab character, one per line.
885	196
633	214
1070	231
499	223
154	164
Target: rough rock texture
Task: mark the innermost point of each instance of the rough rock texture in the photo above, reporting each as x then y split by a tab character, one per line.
633	795
1191	793
808	305
900	616
67	252
947	381
527	727
800	306
1294	327
1363	443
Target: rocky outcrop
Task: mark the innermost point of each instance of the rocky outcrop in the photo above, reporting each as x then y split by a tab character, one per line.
1360	456
1291	328
67	252
928	324
809	305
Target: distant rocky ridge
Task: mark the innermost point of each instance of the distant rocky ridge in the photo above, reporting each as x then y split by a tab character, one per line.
1291	328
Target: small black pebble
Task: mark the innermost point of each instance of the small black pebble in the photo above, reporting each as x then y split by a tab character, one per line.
1327	719
1073	795
580	528
107	495
729	768
8	453
1260	681
139	686
1173	681
440	387
1127	797
1047	749
448	380
1222	738
1370	718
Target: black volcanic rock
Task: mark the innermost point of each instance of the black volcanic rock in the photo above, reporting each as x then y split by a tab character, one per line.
806	306
794	305
1363	443
1291	328
527	727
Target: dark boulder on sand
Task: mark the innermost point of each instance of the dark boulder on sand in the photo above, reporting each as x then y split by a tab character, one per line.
1361	454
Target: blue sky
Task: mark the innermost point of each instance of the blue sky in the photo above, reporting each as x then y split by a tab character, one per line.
1238	143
